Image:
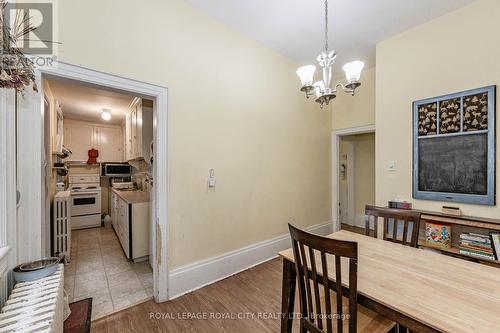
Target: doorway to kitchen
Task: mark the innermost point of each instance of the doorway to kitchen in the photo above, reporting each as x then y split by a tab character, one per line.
100	168
83	177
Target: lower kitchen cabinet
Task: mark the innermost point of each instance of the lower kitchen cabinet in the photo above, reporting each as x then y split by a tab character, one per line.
131	222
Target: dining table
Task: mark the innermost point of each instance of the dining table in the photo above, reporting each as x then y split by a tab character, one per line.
422	290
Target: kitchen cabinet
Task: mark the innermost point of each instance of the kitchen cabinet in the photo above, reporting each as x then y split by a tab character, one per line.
81	136
139	130
108	142
131	222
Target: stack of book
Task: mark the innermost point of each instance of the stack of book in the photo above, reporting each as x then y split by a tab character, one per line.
476	245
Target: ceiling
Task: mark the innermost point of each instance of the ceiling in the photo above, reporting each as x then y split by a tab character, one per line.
84	102
295	28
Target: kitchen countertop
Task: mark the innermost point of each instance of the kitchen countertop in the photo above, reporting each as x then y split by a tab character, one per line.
132	197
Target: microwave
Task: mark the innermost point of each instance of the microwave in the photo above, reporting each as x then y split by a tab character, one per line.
116	170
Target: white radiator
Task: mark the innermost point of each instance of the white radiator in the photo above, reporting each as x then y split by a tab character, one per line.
35	306
61	227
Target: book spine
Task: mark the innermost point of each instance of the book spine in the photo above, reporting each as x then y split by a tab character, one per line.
495	241
475	238
485	250
476	254
480	246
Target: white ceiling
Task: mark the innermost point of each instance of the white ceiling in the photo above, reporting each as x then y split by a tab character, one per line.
295	28
84	102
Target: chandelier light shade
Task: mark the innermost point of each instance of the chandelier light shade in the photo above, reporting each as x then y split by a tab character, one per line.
353	71
322	88
306	74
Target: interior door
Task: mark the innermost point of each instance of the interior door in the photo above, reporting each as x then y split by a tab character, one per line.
346	182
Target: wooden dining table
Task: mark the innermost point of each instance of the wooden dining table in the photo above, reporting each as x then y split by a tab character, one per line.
422	290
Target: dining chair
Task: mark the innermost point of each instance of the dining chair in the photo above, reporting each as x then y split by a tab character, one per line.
392	227
327	305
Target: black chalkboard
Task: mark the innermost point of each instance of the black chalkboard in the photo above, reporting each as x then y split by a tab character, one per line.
454	164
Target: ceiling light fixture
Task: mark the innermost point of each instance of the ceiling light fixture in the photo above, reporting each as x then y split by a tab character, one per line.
324	94
106	114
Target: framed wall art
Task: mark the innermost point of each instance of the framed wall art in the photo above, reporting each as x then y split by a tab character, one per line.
454	147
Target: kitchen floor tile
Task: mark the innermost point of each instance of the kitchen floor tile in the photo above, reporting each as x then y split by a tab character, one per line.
102	310
146	279
130	299
142	267
99	269
112	269
98	274
83	288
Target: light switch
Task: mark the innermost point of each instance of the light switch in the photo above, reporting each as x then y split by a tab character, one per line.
211	178
391	166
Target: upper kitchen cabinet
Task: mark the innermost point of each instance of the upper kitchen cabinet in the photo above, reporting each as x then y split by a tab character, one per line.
139	130
109	143
80	137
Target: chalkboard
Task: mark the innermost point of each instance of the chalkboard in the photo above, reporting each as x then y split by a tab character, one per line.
454	164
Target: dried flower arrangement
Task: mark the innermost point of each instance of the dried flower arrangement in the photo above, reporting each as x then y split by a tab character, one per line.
16	70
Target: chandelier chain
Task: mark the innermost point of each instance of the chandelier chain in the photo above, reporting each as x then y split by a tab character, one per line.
326	26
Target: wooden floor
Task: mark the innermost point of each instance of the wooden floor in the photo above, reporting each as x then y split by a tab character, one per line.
254	292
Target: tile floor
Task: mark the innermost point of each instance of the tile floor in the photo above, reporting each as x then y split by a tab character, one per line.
99	269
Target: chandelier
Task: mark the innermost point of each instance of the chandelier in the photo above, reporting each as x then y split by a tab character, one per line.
321	89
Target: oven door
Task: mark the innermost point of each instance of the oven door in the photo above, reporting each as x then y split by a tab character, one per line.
85	203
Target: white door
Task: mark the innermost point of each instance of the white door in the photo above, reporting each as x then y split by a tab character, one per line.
109	144
78	137
346	182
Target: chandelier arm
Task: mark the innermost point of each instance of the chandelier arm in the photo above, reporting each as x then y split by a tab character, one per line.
337	86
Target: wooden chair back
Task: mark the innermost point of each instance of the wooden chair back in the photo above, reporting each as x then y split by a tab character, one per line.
305	248
408	217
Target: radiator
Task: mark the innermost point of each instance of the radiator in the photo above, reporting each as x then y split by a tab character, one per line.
61	227
35	306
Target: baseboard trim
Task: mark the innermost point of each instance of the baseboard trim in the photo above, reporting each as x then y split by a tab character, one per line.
194	276
360	221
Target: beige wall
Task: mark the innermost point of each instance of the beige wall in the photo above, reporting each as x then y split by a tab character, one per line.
349	111
364	171
452	53
234	106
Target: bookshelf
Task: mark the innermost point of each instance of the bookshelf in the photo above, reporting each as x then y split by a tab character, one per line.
458	225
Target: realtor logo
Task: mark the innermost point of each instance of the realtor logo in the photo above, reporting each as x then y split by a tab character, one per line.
38	14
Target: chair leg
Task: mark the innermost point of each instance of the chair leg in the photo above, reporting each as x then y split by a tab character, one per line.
402	329
302	327
394	329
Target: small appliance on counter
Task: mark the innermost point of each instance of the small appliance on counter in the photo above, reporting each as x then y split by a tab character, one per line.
117	170
122	186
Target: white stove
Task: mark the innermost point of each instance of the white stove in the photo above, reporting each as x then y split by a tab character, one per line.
85	201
